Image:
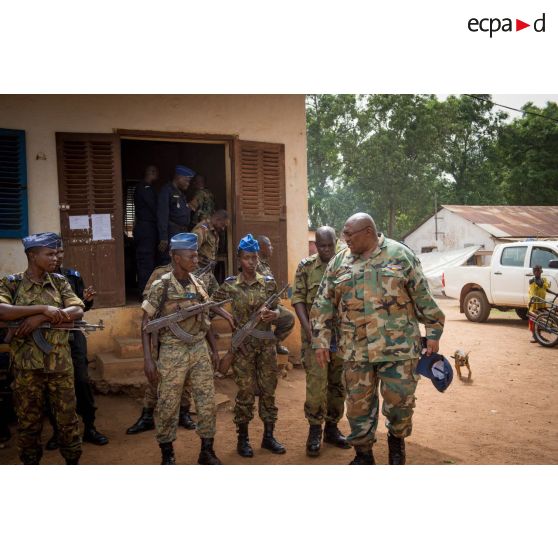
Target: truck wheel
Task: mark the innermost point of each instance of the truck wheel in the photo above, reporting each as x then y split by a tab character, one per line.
522	313
546	329
476	306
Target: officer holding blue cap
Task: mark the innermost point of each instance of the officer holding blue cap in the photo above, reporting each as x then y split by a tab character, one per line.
174	214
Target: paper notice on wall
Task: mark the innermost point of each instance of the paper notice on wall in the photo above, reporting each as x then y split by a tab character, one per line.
79	222
100	223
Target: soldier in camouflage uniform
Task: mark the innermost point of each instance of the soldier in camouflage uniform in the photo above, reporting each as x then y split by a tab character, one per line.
255	363
178	358
146	421
325	394
284	324
377	292
208	241
37	296
203	200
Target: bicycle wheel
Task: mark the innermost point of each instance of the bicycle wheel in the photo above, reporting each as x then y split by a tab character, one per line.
546	329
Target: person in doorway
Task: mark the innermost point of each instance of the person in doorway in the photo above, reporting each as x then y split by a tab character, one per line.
145	225
78	346
325	394
255	363
203	200
208	241
181	357
174	213
539	286
374	294
285	323
37	296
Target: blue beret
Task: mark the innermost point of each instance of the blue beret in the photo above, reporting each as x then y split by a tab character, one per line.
249	244
42	240
184	241
438	369
181	170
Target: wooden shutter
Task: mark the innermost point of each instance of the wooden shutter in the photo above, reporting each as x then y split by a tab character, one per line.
89	181
13	184
260	206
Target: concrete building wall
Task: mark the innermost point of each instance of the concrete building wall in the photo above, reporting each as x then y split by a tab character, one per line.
454	232
268	118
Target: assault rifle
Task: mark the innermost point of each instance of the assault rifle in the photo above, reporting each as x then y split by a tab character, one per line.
38	337
171	321
201	271
249	330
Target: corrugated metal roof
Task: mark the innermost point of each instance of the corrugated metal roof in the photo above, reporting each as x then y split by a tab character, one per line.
502	221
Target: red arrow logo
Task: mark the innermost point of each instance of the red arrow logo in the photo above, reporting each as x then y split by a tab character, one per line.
519	25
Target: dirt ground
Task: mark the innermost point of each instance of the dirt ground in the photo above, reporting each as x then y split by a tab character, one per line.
507	415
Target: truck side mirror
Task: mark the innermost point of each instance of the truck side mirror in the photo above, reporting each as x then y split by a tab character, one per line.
553	264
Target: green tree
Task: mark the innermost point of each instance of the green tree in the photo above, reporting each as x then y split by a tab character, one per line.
528	154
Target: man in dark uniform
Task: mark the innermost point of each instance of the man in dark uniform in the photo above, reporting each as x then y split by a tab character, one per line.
35	297
285	323
145	225
174	214
78	345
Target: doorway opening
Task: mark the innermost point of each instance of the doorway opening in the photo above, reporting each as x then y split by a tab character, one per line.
209	158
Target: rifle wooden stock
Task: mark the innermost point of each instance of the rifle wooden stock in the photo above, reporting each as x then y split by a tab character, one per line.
225	363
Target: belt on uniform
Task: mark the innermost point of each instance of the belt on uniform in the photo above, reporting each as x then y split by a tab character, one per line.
259	334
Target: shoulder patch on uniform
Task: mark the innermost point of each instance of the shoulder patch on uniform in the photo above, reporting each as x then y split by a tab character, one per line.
14	277
58	275
230	279
269	278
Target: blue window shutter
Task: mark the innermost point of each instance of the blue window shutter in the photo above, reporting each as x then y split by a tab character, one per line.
13	184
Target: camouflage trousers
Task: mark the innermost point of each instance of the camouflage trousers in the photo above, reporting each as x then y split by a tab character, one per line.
325	393
150	396
255	374
31	389
176	364
284	323
398	382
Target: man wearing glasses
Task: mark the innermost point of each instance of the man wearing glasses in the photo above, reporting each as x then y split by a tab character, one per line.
377	292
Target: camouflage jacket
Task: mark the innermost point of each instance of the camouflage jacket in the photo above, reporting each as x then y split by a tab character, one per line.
247	297
55	290
378	303
159	303
205	204
263	268
157	273
208	242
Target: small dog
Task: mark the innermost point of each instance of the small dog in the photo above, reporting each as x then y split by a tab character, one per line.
462	359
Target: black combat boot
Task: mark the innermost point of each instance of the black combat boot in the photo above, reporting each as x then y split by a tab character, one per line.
334	437
52	444
144	423
207	455
396	450
74	461
243	447
314	441
269	442
185	420
167	454
31	459
363	457
93	436
5	433
281	349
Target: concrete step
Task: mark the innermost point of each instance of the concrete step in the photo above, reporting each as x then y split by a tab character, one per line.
128	347
121	371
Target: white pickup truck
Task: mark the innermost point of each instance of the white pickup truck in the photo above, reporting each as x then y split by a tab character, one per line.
504	284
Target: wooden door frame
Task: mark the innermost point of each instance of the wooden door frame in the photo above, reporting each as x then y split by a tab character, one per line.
230	142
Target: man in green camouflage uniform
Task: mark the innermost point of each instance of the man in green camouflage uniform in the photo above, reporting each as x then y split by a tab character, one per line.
284	324
255	363
203	200
325	394
208	241
37	296
181	358
375	293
